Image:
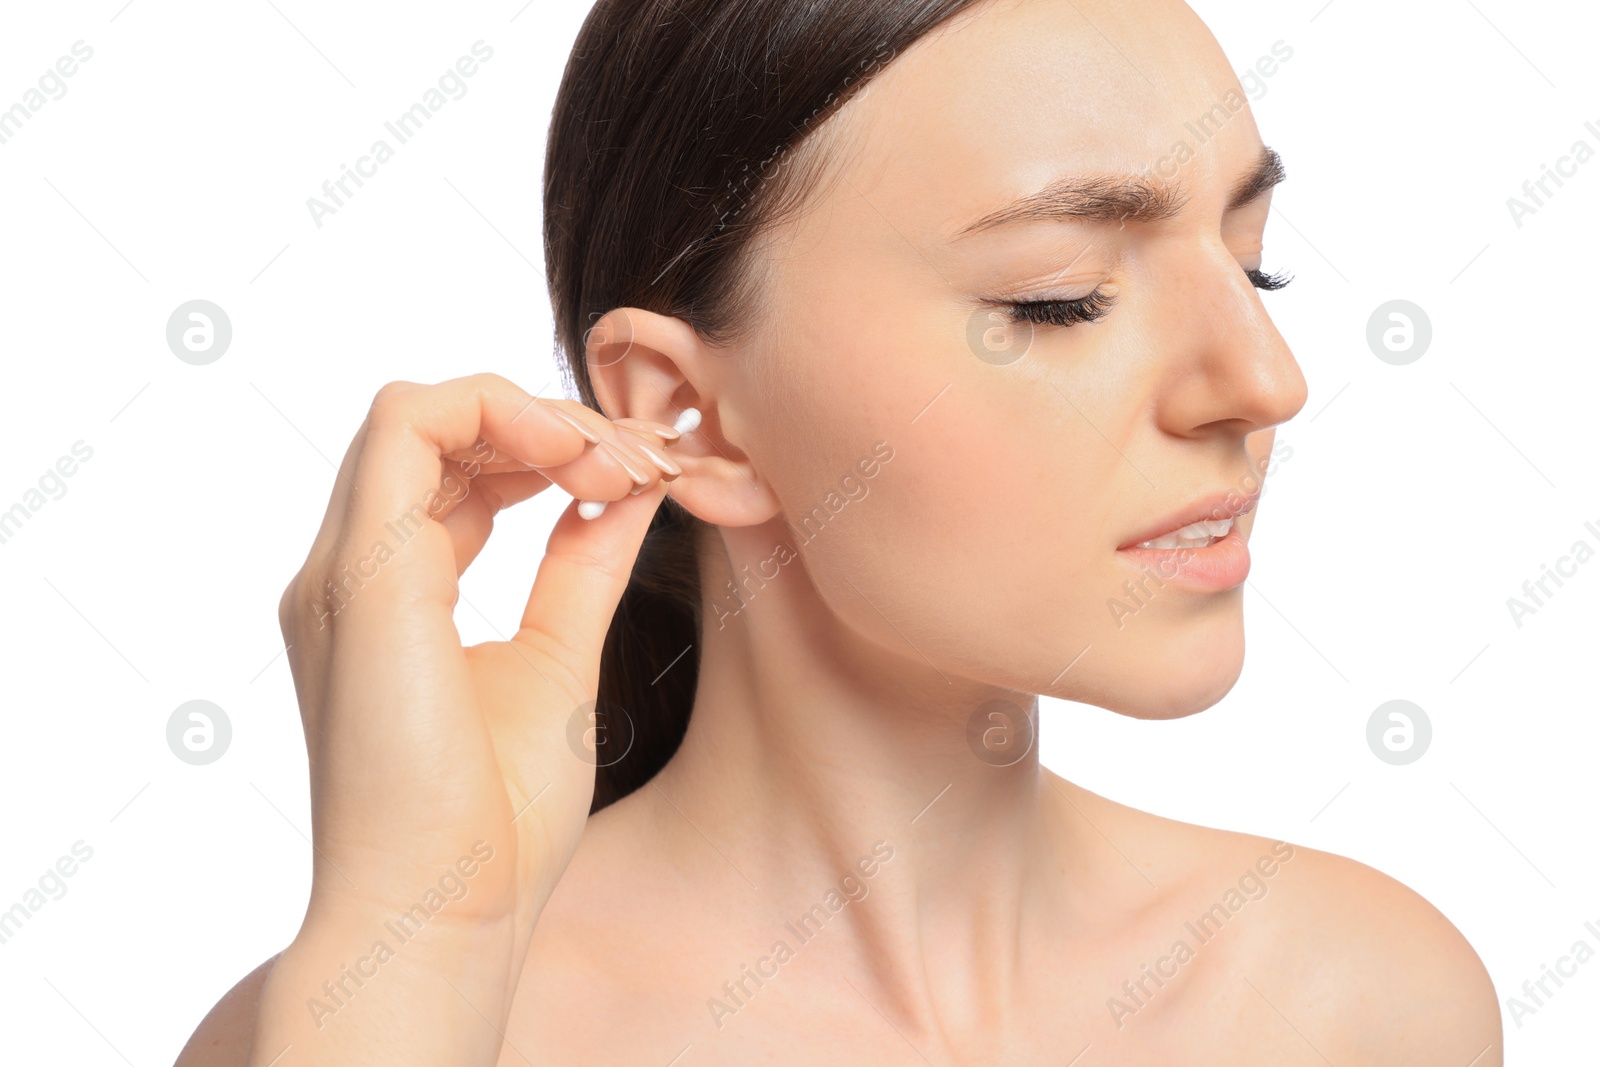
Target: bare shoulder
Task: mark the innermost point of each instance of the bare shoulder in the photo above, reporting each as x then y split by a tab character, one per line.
223	1037
1380	967
1367	968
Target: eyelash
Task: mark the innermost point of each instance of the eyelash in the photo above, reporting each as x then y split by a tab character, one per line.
1098	304
1061	312
1269	282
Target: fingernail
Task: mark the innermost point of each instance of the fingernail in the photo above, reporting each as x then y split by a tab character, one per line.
660	430
629	465
660	459
591	509
576	423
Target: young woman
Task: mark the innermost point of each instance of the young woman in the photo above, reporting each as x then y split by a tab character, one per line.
955	307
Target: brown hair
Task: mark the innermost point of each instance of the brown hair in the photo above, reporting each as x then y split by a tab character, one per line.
674	142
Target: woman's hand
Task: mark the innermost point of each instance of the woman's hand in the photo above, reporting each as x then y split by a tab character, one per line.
449	784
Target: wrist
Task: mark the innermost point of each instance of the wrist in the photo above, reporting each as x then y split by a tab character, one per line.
356	987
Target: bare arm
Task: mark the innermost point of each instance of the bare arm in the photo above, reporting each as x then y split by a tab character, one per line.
223	1037
447	796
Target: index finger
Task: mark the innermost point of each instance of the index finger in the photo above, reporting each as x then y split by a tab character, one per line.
411	428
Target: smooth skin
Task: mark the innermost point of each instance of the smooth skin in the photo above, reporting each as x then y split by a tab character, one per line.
1015	909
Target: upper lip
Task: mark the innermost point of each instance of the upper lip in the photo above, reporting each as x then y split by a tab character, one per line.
1225	505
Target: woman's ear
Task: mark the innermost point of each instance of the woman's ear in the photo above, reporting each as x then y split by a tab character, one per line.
643	365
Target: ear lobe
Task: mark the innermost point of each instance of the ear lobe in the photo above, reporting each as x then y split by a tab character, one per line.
719	485
644	365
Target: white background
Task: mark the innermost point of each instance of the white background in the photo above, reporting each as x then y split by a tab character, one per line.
177	166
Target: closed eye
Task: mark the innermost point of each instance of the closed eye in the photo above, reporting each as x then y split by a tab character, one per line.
1062	312
1098	304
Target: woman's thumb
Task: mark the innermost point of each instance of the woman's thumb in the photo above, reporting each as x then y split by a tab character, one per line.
582	578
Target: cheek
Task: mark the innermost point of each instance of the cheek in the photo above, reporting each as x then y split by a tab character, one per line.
1004	493
986	535
992	515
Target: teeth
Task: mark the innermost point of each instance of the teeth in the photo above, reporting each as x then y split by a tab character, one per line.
1195	535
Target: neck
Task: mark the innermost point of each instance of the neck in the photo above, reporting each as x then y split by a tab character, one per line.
814	756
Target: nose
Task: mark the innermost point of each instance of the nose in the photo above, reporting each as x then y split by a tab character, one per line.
1229	370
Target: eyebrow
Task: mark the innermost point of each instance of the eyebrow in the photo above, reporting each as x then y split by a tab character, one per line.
1123	198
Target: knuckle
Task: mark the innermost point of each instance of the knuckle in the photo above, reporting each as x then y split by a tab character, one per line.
491	381
559	655
286	607
387	401
302	609
606	569
294	610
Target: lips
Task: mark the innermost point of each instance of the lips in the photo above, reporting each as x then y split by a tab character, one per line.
1212	509
1198	547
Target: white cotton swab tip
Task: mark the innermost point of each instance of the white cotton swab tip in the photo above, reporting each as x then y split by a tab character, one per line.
688	420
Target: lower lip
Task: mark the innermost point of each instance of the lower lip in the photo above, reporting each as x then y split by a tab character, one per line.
1216	567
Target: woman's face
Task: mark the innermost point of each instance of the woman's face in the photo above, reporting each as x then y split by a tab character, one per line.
1025	455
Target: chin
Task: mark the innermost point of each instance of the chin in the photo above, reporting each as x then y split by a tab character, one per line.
1182	670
